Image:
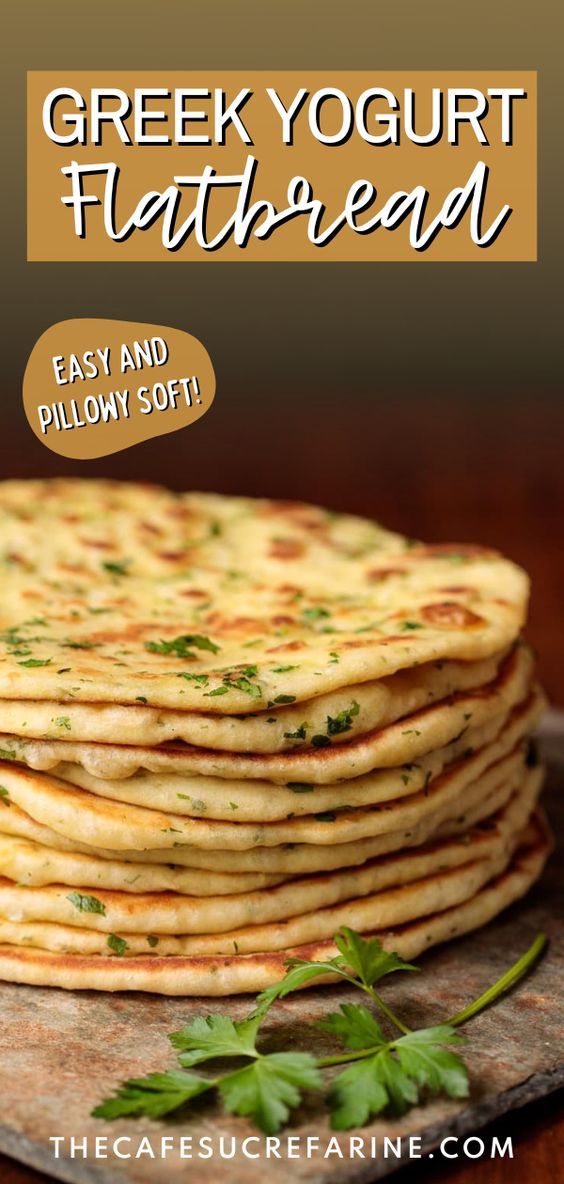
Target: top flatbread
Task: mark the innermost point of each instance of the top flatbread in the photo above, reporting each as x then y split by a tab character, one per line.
104	583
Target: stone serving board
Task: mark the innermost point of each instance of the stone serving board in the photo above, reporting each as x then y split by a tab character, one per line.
60	1053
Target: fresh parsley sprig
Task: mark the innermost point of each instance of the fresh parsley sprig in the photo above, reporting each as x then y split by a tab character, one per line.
384	1072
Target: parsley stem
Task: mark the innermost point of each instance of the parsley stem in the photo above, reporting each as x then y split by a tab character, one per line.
511	976
342	1057
377	999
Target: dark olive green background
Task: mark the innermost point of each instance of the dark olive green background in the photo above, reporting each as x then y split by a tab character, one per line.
293	339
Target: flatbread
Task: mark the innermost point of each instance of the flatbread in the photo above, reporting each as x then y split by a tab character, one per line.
402	742
78	813
219	975
281	729
311	902
103	579
29	862
262	801
291	859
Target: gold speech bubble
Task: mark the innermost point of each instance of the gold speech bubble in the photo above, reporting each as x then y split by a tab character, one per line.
94	386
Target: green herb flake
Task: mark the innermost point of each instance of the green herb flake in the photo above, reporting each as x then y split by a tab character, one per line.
179	647
316	613
117	944
299	734
86	904
117	568
343	721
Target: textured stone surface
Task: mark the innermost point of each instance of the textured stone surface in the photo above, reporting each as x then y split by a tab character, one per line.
61	1053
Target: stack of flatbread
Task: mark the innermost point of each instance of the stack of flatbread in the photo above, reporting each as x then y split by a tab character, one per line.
230	726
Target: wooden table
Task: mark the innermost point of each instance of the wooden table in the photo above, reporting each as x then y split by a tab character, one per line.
461	469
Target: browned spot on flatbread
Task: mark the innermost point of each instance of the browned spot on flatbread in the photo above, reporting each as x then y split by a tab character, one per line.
456	590
286	549
290	646
450	615
376	574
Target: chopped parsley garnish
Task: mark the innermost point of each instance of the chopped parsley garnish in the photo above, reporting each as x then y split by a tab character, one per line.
282	669
63	721
320	741
117	944
4	796
300	786
407	625
30	662
343	721
239	679
87	904
280	699
180	647
299	734
316	613
117	568
152	941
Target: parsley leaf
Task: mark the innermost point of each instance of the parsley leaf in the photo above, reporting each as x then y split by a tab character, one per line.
269	1088
367	958
422	1056
368	1087
215	1036
354	1025
153	1096
393	1077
